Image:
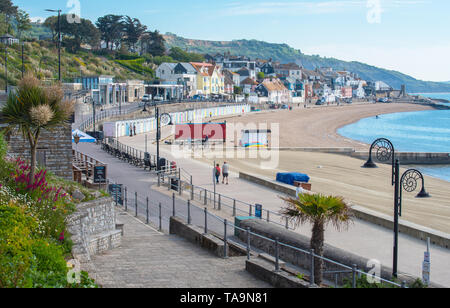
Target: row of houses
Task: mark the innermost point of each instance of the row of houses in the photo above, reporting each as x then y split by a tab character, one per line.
264	80
233	77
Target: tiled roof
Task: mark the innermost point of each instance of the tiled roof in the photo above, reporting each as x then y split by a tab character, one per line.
274	85
249	81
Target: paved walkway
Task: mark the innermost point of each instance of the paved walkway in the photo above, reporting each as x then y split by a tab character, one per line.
149	259
363	238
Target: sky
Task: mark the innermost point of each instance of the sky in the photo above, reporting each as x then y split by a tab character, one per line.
410	36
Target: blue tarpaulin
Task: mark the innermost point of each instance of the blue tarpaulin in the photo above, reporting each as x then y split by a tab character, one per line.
290	178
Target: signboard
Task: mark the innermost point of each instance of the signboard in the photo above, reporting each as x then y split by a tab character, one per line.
99	174
115	190
258	210
214	131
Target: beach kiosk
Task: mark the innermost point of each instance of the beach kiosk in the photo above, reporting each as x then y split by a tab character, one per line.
256	138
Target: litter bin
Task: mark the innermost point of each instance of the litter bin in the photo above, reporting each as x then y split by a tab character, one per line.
174	184
162	164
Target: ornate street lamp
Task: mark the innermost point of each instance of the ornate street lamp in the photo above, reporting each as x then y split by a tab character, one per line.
164	119
408	182
385	151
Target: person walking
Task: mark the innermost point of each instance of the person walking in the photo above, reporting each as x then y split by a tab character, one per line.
217	173
225	172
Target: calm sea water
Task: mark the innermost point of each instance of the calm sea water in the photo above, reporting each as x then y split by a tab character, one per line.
423	131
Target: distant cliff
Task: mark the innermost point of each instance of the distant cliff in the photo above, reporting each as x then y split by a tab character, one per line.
285	53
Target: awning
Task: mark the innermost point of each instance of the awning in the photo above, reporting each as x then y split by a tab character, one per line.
85	138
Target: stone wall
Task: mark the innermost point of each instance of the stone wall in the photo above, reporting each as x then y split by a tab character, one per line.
54	150
93	228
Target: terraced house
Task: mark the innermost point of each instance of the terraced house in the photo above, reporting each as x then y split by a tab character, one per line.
210	79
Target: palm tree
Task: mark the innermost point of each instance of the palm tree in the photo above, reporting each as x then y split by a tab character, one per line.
34	108
319	210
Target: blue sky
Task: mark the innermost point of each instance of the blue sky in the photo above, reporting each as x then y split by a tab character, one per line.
411	36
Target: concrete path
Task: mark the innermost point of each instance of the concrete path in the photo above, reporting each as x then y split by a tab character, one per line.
150	259
362	238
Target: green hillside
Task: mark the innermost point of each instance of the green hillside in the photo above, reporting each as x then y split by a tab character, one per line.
285	53
41	58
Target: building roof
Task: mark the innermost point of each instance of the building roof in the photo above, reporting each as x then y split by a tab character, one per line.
244	72
249	81
288	66
273	85
188	67
202	68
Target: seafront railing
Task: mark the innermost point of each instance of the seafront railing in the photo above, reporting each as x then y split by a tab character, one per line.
159	214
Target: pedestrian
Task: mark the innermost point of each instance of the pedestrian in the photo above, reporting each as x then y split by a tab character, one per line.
299	191
134	129
225	172
217	172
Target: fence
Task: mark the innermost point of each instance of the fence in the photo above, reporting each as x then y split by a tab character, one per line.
159	213
94	171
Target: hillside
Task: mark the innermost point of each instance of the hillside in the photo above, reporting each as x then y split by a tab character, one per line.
42	58
285	53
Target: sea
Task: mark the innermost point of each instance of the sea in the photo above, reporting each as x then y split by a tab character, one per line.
422	131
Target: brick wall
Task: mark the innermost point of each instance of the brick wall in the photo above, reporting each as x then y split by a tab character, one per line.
54	150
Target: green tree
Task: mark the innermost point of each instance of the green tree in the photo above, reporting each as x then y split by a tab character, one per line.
23	22
111	29
180	55
153	43
320	211
74	34
260	76
8	10
34	108
133	30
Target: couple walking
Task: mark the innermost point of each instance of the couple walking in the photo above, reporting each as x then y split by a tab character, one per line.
224	171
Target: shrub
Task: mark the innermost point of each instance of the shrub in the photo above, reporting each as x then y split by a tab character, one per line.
15	247
49	269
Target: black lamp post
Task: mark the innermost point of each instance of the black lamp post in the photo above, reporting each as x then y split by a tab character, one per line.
167	120
59	40
90	100
6	69
408	182
23	60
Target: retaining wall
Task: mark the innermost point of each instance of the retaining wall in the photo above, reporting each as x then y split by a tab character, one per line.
93	228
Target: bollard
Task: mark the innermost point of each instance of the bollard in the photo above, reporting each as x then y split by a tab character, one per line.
180	187
251	210
225	239
206	198
206	220
287	223
148	214
160	218
169	183
312	278
248	243
277	254
268	216
117	195
192	189
220	202
136	203
189	211
354	268
173	205
126	200
234	207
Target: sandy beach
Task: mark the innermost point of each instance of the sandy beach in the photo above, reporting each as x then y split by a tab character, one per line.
316	127
341	175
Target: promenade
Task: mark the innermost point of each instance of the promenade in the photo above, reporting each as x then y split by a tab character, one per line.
148	258
362	238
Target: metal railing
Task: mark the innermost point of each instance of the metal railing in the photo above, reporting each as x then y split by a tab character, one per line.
158	214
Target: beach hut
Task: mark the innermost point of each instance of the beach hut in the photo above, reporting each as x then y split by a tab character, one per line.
255	138
85	138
